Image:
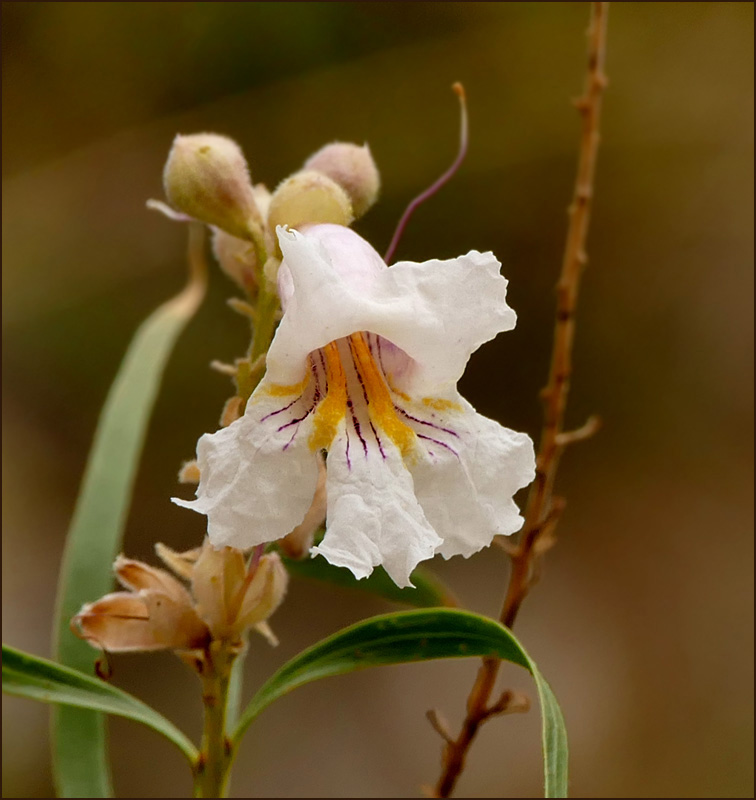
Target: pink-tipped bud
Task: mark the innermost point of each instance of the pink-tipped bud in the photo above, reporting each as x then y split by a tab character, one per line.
353	168
206	177
309	197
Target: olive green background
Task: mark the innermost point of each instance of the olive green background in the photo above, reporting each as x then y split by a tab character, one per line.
643	619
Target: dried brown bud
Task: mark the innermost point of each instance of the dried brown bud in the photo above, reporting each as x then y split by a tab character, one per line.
158	613
232	597
189	472
353	168
228	596
231	411
206	177
309	197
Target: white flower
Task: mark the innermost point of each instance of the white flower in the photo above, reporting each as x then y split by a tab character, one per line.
364	365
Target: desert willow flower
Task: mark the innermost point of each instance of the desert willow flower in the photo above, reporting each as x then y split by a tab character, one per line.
364	367
228	595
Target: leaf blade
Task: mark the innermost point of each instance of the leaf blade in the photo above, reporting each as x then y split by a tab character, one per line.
428	590
26	675
410	636
94	537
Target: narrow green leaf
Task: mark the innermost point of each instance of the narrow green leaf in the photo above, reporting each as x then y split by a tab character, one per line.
37	678
428	592
419	636
94	538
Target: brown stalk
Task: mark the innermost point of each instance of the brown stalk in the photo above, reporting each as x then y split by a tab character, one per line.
543	509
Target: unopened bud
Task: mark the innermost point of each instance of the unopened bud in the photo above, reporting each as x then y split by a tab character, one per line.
265	592
353	168
309	197
206	177
237	258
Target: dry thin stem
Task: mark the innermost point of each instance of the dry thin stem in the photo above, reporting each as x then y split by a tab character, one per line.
543	509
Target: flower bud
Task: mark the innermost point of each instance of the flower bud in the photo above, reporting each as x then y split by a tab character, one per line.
309	197
237	258
231	595
157	613
353	168
206	177
264	593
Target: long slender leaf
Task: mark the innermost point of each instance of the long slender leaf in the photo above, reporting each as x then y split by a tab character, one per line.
37	678
428	591
94	538
418	636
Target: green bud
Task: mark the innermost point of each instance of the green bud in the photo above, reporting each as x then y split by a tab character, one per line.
206	177
309	197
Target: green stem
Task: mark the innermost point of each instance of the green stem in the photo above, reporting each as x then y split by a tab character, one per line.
267	306
251	370
212	767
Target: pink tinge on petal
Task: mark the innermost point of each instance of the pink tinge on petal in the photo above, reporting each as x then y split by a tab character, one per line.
398	368
353	259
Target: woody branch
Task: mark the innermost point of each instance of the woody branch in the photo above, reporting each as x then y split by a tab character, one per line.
543	509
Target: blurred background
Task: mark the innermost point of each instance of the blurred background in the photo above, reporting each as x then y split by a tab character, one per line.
643	619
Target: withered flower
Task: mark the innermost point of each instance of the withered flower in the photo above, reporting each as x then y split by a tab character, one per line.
229	594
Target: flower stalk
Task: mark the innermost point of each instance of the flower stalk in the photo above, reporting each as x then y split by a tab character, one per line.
213	764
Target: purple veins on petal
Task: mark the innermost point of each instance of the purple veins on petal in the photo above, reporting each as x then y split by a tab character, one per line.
280	410
425	422
358	373
316	373
293	435
325	371
296	421
436	441
378	441
380	354
356	424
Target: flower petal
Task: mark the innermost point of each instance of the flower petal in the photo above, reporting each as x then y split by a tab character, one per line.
258	475
136	576
298	542
264	593
217	578
181	563
471	469
437	312
123	622
322	281
174	624
450	309
373	516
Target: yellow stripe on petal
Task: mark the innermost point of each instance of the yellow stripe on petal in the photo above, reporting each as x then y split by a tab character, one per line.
380	405
396	391
332	409
281	390
441	405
